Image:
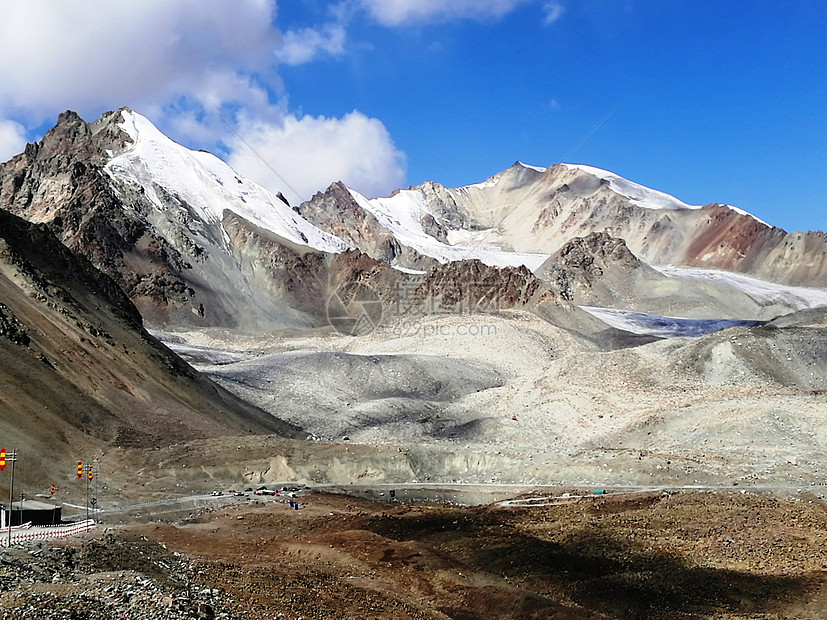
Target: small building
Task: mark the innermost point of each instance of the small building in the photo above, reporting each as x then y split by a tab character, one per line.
31	511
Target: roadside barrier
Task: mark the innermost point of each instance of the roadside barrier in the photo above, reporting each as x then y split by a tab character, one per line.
28	532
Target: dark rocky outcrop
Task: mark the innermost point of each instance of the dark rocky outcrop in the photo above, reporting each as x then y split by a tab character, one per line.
472	286
337	212
583	261
61	182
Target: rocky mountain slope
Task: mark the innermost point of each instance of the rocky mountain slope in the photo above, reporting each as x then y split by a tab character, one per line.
600	270
193	243
80	373
507	330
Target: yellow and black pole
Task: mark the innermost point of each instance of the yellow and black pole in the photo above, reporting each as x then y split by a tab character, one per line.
13	459
89	477
3	468
80	475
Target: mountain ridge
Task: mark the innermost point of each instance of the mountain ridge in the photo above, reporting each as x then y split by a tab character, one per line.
415	321
187	237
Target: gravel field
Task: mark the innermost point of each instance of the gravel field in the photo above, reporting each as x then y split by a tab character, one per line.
526	402
720	555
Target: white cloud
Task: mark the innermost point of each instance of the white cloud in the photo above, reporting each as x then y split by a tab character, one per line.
174	62
83	54
553	11
301	46
12	139
312	152
399	12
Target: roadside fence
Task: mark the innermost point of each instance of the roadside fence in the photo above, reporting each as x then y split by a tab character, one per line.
29	532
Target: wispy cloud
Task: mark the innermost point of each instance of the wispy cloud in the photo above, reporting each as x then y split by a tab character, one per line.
402	12
553	11
302	46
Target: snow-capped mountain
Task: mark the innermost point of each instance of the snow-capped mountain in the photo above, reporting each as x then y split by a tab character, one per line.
405	215
194	243
525	213
188	240
203	187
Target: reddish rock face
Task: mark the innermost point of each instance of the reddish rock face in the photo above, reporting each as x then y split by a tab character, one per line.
736	242
727	241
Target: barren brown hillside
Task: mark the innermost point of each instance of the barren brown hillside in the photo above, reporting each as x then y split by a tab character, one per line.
79	372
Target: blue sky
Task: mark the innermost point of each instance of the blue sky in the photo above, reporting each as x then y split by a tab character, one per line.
713	102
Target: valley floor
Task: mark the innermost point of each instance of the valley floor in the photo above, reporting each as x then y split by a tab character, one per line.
719	555
511	398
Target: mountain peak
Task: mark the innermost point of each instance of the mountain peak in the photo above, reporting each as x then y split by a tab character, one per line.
640	195
204	185
69	117
519	164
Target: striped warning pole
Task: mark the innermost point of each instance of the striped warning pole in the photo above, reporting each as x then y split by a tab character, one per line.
89	477
13	458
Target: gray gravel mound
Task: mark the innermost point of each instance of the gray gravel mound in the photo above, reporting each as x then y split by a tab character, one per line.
336	394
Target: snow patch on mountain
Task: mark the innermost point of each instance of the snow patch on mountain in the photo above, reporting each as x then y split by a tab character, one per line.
748	214
410	272
401	215
640	195
490	182
530	167
207	185
762	291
